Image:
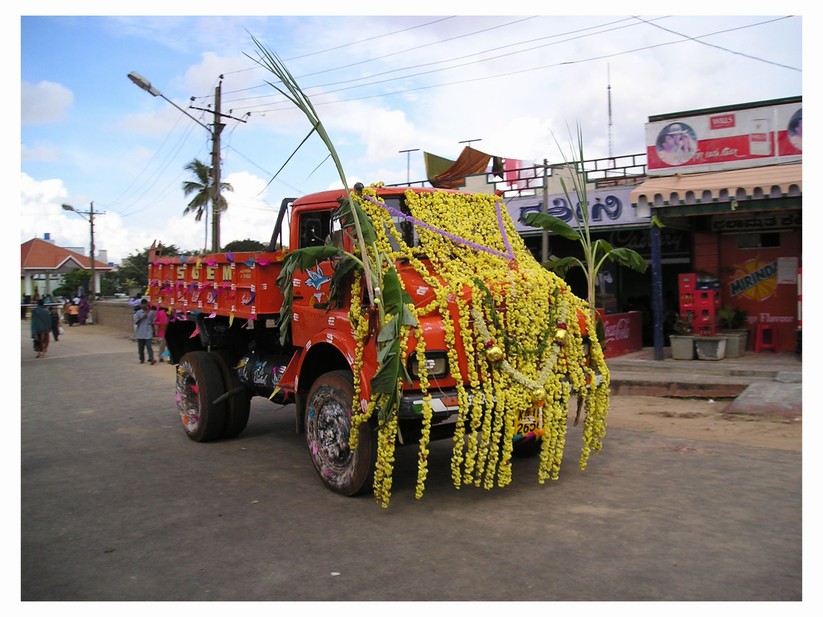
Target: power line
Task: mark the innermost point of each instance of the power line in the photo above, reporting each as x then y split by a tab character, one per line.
731	51
285	104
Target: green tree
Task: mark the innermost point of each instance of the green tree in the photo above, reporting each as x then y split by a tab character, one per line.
201	186
237	246
72	282
134	271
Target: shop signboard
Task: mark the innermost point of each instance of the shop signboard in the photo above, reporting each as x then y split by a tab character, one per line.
725	138
606	208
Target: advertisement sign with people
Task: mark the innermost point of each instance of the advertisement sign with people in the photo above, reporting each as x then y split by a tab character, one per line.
725	138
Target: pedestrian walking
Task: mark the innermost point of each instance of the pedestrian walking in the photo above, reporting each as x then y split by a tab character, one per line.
134	302
83	310
55	323
40	328
74	310
161	320
144	332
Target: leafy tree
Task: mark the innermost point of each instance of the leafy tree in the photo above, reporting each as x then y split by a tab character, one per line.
134	271
244	245
72	281
201	186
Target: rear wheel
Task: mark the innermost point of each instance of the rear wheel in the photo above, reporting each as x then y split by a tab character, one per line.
238	404
328	425
199	384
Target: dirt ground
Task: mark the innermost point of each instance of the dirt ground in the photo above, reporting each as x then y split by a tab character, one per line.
704	419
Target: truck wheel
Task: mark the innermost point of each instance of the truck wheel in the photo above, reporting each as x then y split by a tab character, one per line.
199	383
238	405
328	424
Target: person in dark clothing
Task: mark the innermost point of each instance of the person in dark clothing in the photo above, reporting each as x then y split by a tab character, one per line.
40	328
55	324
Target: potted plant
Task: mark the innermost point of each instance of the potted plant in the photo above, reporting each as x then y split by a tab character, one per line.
682	339
732	326
710	347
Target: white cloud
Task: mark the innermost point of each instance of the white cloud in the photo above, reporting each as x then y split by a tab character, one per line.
44	102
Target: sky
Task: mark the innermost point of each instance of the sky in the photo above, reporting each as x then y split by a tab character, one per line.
515	86
513	83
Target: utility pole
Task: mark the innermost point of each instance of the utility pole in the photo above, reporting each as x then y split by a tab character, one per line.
215	169
215	131
544	236
89	216
217	128
408	163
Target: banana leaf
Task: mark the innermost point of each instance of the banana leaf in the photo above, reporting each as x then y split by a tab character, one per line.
300	259
550	223
346	212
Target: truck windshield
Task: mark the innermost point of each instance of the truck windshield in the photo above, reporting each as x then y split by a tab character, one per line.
405	228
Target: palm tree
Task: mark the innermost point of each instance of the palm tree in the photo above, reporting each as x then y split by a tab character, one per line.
202	189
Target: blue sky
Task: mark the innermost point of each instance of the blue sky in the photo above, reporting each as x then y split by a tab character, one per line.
381	85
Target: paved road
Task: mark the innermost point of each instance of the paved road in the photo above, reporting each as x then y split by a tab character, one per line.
117	504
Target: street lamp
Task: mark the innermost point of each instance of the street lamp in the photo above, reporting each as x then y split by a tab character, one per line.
89	216
145	84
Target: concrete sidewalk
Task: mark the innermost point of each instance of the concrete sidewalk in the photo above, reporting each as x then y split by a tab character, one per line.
760	383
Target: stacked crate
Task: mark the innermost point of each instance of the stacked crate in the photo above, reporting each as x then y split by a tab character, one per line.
699	306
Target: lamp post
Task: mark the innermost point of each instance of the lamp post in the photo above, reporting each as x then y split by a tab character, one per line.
145	84
89	216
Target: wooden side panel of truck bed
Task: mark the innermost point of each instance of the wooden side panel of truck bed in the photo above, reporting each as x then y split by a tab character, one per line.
243	285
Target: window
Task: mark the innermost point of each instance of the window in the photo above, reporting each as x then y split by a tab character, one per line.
758	240
314	228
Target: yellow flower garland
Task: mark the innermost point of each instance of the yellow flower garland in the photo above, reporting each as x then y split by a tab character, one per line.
517	323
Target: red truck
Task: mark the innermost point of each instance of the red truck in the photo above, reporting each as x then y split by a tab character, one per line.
393	316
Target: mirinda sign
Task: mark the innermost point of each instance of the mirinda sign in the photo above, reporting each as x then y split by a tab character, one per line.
754	279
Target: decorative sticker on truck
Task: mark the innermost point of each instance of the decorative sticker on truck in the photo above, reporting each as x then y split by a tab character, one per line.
317	278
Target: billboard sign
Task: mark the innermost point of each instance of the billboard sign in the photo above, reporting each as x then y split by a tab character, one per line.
725	139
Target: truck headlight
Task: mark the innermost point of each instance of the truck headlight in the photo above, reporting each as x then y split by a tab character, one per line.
437	365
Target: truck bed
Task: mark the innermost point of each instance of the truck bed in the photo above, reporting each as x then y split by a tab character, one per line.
241	285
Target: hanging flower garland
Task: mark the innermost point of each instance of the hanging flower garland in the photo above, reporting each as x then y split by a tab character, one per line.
518	328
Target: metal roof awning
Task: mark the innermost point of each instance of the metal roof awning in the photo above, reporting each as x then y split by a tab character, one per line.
737	185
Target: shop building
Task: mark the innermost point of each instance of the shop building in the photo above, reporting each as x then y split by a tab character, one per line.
726	184
731	178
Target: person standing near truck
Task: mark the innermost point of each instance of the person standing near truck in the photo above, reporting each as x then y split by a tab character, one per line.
161	320
144	332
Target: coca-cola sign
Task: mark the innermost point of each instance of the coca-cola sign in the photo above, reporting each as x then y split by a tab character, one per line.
624	333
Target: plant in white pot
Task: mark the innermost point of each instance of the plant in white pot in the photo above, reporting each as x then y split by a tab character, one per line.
682	339
732	326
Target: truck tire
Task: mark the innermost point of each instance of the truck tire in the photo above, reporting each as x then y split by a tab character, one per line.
328	424
238	405
199	384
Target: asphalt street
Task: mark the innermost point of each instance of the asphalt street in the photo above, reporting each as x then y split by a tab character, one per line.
117	504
